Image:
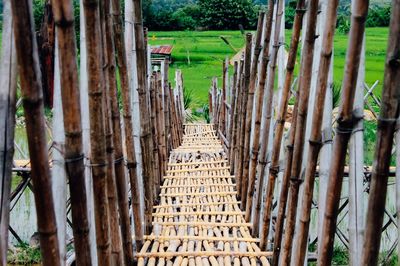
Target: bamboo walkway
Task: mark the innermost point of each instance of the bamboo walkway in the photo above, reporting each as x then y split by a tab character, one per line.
199	221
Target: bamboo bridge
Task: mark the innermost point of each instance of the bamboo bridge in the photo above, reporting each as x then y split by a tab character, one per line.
198	220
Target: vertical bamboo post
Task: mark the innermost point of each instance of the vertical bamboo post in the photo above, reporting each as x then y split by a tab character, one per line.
74	159
31	90
304	90
248	118
8	86
223	98
121	181
154	125
245	90
281	116
259	106
112	123
386	127
84	104
239	99
233	116
346	121
98	158
161	127
315	141
146	135
356	171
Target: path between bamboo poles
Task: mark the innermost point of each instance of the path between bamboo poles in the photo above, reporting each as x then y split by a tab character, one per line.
198	221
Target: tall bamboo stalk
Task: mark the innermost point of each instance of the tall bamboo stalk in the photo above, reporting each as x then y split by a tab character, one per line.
146	138
31	90
8	73
281	116
154	124
223	98
97	133
304	91
121	181
233	111
250	98
346	121
119	41
386	129
259	104
315	141
74	159
245	90
236	148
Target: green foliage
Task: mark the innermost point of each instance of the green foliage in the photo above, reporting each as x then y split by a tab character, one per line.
206	113
227	14
24	255
378	16
290	12
340	256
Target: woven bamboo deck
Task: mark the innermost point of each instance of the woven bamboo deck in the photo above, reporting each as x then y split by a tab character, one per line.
199	221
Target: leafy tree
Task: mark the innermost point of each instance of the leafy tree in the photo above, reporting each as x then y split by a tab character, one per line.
227	14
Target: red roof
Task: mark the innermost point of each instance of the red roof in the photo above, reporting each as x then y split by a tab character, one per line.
163	49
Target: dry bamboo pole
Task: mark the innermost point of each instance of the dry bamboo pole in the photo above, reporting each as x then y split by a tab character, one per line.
245	90
111	122
236	148
146	134
346	121
315	141
161	127
247	122
31	90
154	125
129	147
223	97
387	123
281	116
233	106
8	72
98	158
259	104
304	91
73	153
234	116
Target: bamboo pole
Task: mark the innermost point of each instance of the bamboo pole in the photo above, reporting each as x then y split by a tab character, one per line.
386	127
74	159
304	90
8	72
154	127
239	104
259	103
356	171
161	129
31	90
247	122
346	121
223	97
233	116
281	116
121	182
245	90
98	158
315	141
84	104
146	134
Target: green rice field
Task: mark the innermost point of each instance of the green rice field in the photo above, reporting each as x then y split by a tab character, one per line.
199	55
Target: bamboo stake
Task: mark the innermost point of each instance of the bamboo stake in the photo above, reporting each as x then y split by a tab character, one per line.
223	98
98	158
232	129
8	73
346	121
236	148
31	90
281	116
161	128
315	141
154	127
250	99
112	123
74	159
146	134
386	128
304	90
129	146
121	181
245	90
259	103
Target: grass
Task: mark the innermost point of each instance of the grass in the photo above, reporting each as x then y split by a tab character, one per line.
206	50
24	255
